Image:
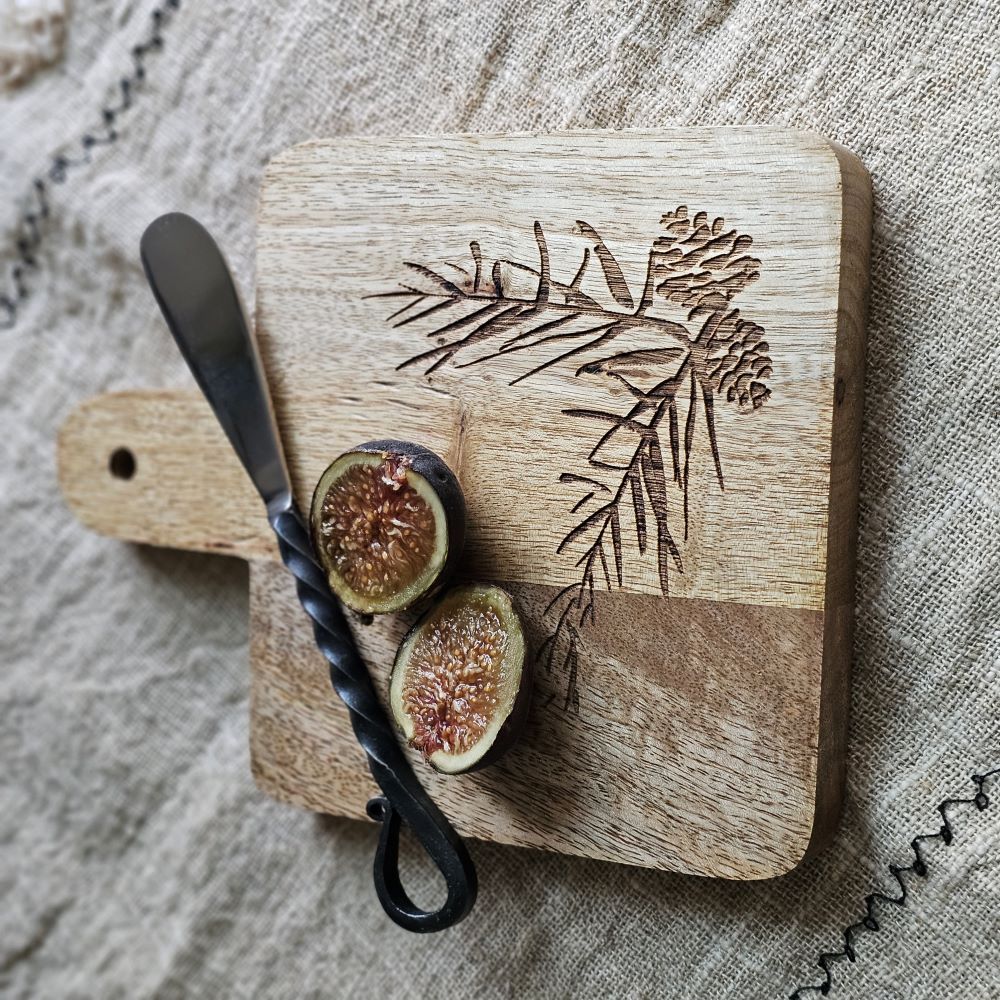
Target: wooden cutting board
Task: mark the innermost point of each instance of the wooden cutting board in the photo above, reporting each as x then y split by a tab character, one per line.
642	353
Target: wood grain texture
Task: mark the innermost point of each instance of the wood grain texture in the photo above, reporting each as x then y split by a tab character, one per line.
688	583
187	489
340	221
679	760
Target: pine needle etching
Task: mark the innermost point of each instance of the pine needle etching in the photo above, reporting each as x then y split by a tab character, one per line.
701	352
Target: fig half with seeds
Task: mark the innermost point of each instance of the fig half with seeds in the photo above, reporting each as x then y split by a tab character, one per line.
461	683
388	524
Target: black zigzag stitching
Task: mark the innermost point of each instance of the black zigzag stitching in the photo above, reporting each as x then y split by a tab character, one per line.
31	219
870	921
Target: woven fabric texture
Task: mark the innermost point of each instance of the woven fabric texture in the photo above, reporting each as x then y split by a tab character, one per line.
136	857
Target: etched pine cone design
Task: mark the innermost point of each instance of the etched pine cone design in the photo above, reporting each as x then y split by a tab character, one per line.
699	350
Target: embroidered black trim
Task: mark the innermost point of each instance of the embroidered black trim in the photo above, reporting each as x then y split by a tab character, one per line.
30	227
870	921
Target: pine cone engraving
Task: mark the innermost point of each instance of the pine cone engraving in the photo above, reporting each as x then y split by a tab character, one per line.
700	351
698	262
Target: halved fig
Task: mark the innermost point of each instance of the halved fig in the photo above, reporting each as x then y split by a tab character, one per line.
461	684
388	523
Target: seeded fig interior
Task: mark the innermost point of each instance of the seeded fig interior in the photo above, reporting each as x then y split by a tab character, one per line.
377	530
459	688
454	679
387	522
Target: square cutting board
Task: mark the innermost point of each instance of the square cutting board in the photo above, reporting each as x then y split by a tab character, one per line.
642	354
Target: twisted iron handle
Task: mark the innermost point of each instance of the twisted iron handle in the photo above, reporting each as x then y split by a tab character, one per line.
195	290
404	799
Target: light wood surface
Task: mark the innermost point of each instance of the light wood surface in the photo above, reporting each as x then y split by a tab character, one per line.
670	763
186	488
699	730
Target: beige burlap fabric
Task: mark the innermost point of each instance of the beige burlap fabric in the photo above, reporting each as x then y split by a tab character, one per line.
138	860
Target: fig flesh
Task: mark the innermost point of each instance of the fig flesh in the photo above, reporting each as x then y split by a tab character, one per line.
388	524
461	683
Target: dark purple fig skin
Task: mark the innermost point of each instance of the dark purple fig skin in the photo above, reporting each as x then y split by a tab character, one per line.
510	732
445	484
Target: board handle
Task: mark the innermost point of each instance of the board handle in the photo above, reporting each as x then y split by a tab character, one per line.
404	799
143	466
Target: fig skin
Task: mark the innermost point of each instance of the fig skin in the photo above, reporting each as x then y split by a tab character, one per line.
512	727
433	469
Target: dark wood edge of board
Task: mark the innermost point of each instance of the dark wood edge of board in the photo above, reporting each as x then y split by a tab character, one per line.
845	473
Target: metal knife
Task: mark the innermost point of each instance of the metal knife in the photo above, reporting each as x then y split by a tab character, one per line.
195	291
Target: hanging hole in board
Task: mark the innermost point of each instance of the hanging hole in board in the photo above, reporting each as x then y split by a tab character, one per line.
121	464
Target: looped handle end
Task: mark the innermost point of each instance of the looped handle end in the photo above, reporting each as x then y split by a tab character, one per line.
448	854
